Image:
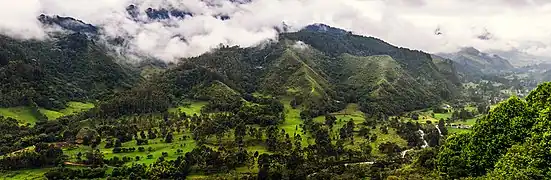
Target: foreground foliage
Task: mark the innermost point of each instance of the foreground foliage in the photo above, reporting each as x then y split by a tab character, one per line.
508	143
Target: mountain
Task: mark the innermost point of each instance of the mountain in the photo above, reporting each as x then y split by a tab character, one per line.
53	72
472	60
320	68
68	23
419	65
166	13
519	58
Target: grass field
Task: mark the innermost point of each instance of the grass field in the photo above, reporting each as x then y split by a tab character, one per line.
469	122
24	114
28	174
292	123
193	108
351	112
157	145
72	108
21	114
391	136
471	108
426	116
442	115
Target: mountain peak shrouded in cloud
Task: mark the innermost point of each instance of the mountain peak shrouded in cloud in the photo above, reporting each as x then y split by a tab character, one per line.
470	50
159	28
68	23
319	27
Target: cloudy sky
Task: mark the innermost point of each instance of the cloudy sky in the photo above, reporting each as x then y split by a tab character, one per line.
507	24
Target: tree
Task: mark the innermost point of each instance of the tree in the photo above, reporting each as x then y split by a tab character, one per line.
118	143
142	135
366	149
330	120
95	142
168	138
415	116
94	158
482	108
79	156
389	148
151	134
240	132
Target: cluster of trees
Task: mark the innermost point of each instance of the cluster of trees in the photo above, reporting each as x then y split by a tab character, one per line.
70	173
43	155
139	100
462	114
11	134
510	142
123	150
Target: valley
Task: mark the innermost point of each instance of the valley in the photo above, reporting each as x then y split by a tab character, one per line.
319	103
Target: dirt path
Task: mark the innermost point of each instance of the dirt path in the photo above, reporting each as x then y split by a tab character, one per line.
74	164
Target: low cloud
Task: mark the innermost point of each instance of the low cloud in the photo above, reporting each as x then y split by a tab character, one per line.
511	24
300	45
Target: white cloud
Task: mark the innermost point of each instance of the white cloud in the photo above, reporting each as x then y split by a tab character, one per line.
519	24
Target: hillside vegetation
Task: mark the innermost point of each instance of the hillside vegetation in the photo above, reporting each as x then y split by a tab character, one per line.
510	142
53	72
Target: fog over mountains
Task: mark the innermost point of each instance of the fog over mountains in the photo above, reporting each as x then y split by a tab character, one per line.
170	29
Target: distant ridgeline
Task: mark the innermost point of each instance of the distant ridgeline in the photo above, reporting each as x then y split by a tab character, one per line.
164	13
472	64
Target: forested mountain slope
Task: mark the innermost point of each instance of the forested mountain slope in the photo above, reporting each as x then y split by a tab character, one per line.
334	42
53	72
327	68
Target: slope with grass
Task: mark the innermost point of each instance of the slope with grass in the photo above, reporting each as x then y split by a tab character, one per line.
384	86
216	90
29	174
292	75
293	123
22	114
72	108
193	107
25	115
333	43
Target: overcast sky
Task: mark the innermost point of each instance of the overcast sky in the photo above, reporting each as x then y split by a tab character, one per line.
521	24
